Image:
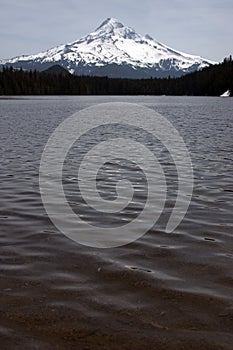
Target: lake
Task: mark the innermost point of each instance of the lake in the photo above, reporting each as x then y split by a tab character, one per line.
165	290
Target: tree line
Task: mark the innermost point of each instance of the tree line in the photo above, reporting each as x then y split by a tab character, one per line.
210	81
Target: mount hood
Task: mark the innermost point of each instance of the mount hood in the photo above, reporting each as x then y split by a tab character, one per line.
113	50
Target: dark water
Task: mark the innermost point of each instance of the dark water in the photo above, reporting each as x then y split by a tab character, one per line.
165	291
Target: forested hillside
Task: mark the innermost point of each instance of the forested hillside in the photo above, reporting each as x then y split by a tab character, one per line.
211	81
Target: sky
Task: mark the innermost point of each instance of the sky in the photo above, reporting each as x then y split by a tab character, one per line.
199	27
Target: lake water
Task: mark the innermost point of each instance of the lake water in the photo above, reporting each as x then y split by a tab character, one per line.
164	291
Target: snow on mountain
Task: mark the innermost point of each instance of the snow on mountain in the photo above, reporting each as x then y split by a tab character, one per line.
115	50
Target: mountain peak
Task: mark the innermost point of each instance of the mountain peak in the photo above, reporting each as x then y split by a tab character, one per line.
114	26
148	37
110	23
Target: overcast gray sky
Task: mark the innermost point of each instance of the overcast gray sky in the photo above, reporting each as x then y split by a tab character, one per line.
201	27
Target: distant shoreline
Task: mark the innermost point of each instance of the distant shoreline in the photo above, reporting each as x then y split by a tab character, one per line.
210	81
41	97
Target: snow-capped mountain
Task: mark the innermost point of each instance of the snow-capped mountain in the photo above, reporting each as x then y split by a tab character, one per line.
115	50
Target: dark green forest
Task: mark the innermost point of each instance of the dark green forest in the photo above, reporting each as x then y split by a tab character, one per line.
211	81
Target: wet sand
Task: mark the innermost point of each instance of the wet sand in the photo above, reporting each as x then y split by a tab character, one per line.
91	299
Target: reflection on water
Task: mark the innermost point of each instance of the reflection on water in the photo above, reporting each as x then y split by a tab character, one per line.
172	287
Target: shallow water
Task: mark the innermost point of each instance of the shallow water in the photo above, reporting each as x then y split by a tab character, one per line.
166	291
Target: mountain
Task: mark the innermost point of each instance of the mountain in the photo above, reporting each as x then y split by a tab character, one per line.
113	50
